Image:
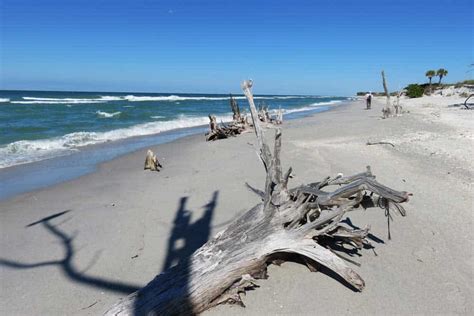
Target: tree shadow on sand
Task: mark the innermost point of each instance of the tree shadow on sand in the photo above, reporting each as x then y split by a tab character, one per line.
185	238
66	265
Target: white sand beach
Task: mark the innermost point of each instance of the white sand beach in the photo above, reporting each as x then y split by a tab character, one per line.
113	237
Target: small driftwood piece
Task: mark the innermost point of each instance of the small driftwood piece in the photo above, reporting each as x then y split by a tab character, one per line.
380	143
304	221
151	162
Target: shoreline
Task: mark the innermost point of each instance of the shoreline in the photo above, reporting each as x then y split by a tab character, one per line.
120	221
37	175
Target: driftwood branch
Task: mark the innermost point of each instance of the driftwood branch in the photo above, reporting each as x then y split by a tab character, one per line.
305	220
469	106
380	143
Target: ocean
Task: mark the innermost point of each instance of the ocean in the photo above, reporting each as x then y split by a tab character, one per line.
91	127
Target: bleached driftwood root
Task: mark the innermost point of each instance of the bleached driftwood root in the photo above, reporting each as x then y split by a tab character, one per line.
222	131
236	127
240	122
304	221
151	162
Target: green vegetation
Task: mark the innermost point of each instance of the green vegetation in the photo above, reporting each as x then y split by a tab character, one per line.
467	82
414	90
417	90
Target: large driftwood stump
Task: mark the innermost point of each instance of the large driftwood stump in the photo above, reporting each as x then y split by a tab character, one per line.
305	221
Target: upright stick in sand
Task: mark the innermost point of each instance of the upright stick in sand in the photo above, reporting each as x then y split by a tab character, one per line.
305	221
388	110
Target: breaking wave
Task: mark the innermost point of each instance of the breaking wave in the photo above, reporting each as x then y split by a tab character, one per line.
25	151
132	98
3	100
107	115
309	107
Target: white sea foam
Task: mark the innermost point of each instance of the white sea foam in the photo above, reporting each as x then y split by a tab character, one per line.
133	98
157	116
106	114
35	100
25	151
174	98
3	100
110	98
73	101
309	107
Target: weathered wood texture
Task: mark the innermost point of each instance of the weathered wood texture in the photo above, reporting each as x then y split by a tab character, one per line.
235	109
388	110
240	122
237	126
398	107
151	162
305	221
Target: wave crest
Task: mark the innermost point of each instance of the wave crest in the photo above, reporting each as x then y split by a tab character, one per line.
25	151
134	98
107	115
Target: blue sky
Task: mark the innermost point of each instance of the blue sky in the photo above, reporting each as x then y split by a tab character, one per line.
287	47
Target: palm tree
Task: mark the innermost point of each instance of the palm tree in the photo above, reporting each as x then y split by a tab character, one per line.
441	73
430	74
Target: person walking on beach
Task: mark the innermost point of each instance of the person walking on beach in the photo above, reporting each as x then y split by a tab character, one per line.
368	100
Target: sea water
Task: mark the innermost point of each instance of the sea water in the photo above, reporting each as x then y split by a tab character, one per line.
92	127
